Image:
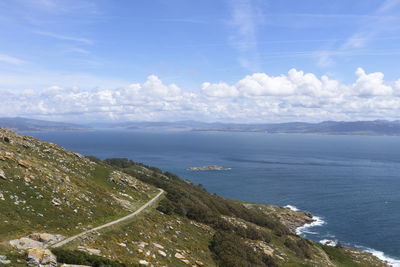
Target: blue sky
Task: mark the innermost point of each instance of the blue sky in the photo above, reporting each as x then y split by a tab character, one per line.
88	51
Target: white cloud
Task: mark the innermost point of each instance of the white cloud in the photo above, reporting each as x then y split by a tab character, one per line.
371	84
219	90
295	96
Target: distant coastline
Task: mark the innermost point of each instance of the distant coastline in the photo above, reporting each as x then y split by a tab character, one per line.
368	128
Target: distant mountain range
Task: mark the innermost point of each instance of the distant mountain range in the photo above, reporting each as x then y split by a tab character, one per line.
24	124
376	127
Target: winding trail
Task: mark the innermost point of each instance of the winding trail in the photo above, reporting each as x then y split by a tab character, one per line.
137	212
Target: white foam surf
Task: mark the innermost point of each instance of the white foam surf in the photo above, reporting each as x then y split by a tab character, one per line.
317	221
382	256
291	207
328	242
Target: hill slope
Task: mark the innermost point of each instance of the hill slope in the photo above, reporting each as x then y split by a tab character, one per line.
48	194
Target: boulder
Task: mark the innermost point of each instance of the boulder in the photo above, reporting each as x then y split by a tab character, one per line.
3	260
56	202
36	240
25	243
158	246
2	175
179	256
41	257
46	238
143	262
162	253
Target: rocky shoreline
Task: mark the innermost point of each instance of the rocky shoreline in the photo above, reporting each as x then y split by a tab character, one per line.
297	221
294	219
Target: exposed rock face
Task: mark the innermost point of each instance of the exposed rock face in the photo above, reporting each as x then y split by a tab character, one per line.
25	243
92	251
36	240
46	238
295	219
41	257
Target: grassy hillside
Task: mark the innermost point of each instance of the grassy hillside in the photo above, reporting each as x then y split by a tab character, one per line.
46	189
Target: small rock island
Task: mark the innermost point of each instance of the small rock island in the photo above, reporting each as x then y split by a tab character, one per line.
208	168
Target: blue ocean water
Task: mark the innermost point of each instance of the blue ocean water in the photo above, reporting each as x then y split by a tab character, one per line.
351	182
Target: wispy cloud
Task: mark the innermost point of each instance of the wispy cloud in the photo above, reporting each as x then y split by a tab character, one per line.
65	37
244	21
11	60
378	22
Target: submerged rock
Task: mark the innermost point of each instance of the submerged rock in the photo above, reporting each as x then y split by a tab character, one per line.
208	168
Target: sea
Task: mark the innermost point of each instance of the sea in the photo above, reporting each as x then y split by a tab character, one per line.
351	184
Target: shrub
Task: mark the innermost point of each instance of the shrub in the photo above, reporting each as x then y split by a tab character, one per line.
83	258
231	251
300	247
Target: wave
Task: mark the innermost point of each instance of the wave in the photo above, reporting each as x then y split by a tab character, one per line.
317	221
305	229
328	242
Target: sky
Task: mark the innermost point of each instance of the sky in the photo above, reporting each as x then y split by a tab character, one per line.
207	60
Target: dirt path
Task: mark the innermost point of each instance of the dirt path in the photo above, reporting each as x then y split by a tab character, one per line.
146	205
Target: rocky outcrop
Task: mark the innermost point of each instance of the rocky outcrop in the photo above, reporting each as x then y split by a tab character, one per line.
41	257
25	243
295	219
36	240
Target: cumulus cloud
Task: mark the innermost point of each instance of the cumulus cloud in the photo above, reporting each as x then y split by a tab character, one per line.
295	96
371	84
